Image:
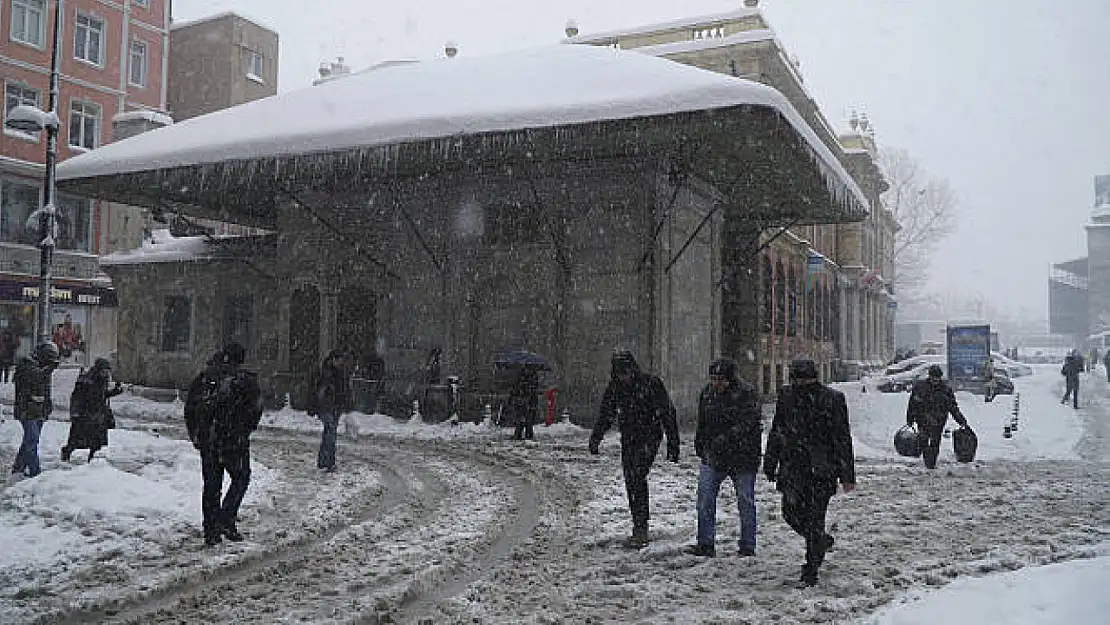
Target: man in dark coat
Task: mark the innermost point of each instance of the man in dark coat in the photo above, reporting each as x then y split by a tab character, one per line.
1073	365
638	404
90	416
332	398
222	409
808	451
524	401
728	442
33	404
931	401
1106	364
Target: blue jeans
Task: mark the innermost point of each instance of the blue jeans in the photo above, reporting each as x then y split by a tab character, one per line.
709	484
325	459
27	458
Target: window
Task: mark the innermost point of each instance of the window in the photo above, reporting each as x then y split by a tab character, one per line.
238	313
84	125
16	94
88	39
252	65
142	3
17	201
137	75
27	21
73	223
177	321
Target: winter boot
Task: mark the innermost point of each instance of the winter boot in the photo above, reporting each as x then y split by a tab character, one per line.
232	533
746	552
638	540
700	550
212	538
809	577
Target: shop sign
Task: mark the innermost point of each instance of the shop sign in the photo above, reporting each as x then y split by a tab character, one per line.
61	293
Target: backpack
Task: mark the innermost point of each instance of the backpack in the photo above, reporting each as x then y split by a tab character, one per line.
215	404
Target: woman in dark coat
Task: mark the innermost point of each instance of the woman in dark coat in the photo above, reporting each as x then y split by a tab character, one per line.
524	401
90	416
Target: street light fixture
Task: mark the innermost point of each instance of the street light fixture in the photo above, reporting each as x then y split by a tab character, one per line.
30	119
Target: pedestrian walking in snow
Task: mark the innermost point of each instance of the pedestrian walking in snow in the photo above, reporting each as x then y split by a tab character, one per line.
1073	365
931	401
33	404
9	343
809	449
222	409
331	398
524	401
1106	364
638	404
90	415
989	384
728	441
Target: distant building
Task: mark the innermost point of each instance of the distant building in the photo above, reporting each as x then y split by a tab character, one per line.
112	61
1079	289
218	62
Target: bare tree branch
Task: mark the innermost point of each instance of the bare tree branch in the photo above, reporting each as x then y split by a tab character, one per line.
924	207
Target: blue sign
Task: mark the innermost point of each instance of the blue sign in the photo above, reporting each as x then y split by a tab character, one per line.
969	347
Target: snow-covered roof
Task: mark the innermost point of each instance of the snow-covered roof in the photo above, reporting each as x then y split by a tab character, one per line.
163	248
219	16
552	86
153	117
685	22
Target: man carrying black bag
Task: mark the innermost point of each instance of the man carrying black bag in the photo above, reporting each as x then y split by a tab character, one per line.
639	405
931	401
222	409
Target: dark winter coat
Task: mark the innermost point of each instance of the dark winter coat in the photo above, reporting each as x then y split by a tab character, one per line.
227	426
32	390
641	409
332	389
1073	365
811	440
89	424
729	434
931	403
524	395
1106	360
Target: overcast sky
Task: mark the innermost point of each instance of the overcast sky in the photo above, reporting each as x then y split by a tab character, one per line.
1009	100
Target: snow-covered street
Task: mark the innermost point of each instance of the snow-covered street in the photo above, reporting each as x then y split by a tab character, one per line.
458	524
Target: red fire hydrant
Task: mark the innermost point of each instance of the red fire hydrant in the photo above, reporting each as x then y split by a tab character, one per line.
550	417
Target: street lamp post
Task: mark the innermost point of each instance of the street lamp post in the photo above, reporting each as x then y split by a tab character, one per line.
31	119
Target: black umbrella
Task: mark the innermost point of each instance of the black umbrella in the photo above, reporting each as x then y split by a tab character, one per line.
521	358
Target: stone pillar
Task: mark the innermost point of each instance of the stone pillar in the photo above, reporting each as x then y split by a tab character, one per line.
740	283
1098	262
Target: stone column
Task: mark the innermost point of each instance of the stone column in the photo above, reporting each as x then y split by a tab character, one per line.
739	294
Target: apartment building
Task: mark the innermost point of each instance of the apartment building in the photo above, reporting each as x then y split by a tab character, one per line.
112	64
218	62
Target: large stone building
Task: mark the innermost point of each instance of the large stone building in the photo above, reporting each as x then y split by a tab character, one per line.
825	289
220	61
112	60
1079	289
620	202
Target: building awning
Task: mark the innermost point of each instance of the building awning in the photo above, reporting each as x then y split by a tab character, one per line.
556	102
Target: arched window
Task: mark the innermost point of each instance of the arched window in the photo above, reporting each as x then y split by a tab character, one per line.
780	299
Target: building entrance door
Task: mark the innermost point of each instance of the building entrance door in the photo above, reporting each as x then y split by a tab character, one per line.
304	341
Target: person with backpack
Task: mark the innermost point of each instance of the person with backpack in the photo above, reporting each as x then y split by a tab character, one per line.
931	401
728	440
332	397
809	449
33	404
90	416
639	405
222	408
